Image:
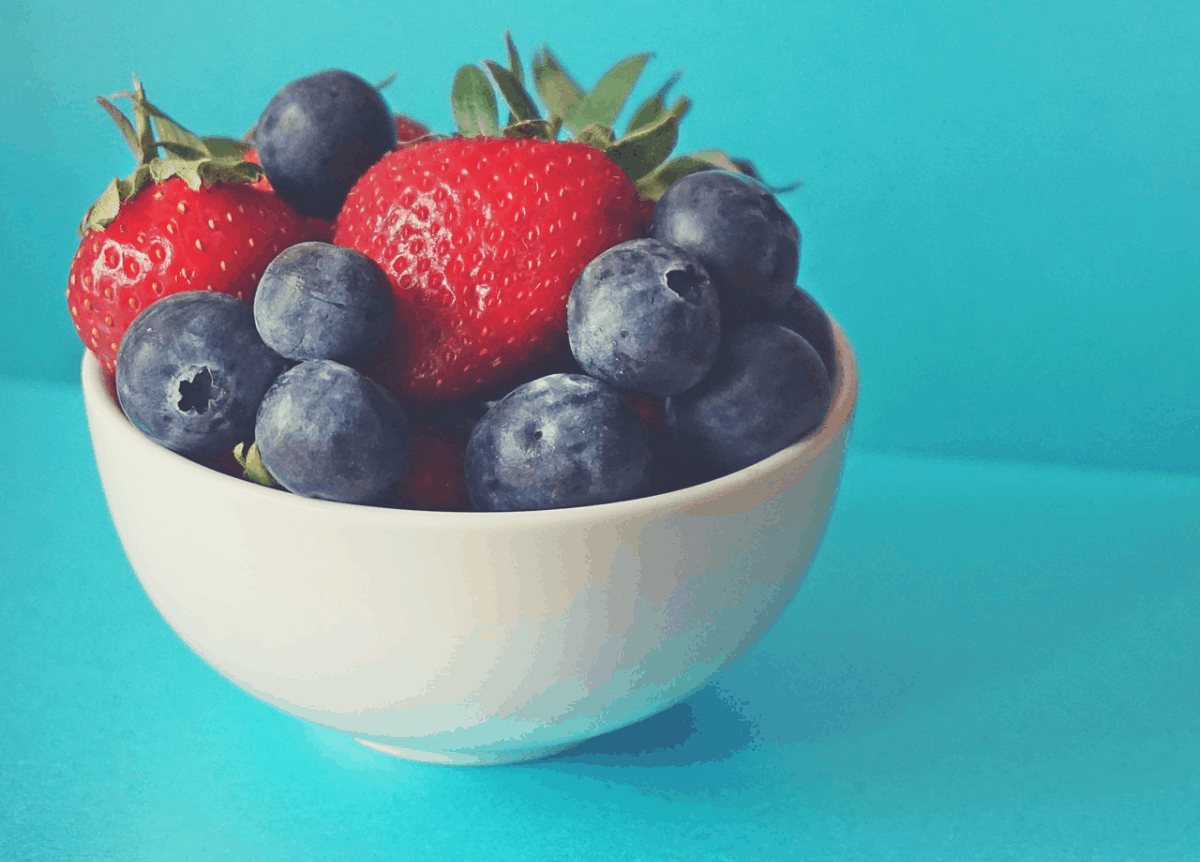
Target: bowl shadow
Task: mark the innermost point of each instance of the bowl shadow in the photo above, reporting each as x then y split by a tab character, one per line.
703	729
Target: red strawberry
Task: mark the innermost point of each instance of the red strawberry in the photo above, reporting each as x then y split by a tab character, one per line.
645	217
176	224
435	480
409	130
482	239
226	463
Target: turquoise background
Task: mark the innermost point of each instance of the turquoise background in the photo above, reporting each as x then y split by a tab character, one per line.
996	653
1000	198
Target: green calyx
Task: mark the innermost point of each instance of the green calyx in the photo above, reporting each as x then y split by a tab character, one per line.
643	152
252	465
165	149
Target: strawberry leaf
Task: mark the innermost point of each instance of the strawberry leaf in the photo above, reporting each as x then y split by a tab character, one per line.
556	88
538	128
252	465
642	151
514	59
598	136
183	151
474	104
722	161
604	103
653	108
105	208
126	127
225	148
514	94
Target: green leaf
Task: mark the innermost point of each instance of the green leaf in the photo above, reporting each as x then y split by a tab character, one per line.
473	103
127	131
252	465
719	160
214	171
653	108
104	210
387	82
183	151
596	135
141	119
514	59
225	148
557	89
538	128
654	184
604	103
641	152
170	131
514	94
724	162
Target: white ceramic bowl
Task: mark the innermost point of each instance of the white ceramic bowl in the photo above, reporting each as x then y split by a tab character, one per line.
468	638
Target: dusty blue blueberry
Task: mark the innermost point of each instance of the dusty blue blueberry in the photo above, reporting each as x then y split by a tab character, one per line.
802	315
318	135
326	431
560	441
191	371
644	317
738	231
767	389
805	317
322	301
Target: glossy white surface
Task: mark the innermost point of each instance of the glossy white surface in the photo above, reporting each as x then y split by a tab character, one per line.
468	637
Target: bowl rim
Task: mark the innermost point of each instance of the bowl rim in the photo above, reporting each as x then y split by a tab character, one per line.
103	408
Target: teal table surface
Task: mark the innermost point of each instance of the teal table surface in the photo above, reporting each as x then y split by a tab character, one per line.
986	662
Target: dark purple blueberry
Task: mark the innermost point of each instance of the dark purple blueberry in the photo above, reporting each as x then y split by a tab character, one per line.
318	135
560	441
322	301
191	371
802	315
767	390
326	431
738	231
644	317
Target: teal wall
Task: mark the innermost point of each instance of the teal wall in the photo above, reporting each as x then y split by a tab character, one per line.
1000	199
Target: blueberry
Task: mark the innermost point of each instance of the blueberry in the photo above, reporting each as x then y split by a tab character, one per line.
738	231
802	315
321	301
191	371
560	441
644	317
767	389
318	135
326	431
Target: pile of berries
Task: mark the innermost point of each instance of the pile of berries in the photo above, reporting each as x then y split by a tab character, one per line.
359	310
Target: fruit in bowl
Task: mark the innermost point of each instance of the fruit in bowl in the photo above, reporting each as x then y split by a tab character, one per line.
643	433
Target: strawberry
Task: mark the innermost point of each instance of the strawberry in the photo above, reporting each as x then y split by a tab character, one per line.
189	220
483	235
435	481
482	239
409	130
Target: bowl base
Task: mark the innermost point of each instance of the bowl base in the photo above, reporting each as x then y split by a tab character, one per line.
465	758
